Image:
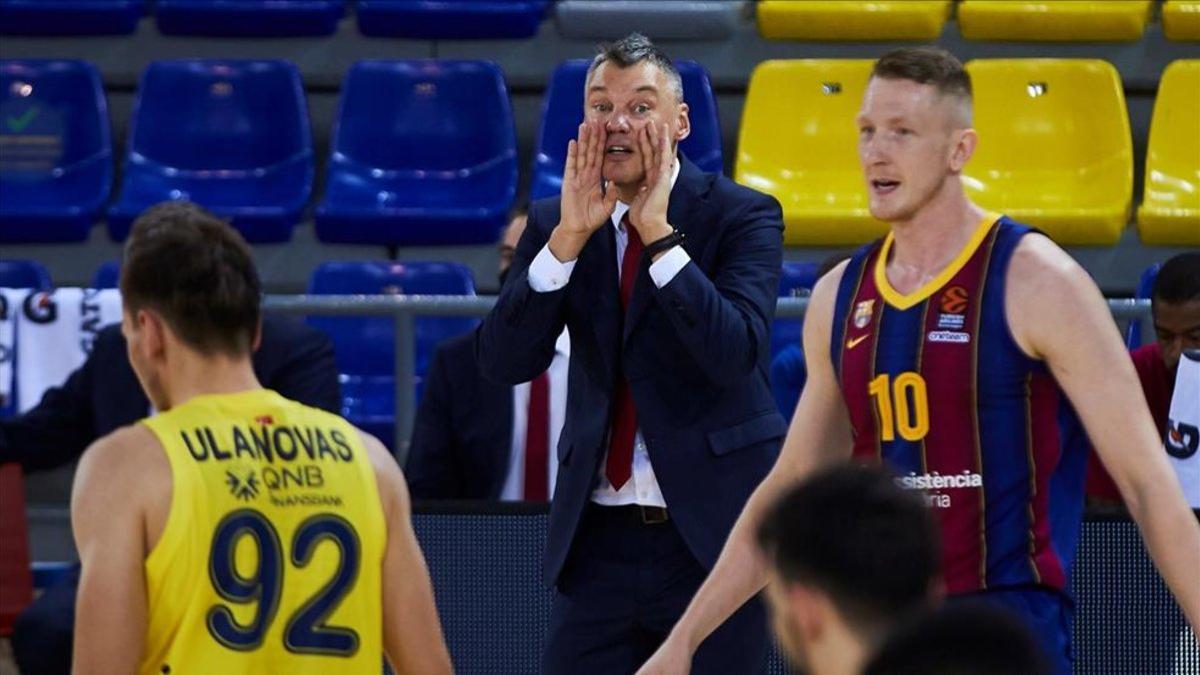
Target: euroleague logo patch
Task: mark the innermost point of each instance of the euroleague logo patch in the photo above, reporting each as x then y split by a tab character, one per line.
954	300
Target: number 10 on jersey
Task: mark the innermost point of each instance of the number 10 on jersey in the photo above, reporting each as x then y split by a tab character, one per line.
902	406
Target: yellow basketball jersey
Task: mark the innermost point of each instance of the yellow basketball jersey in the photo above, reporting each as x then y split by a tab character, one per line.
272	554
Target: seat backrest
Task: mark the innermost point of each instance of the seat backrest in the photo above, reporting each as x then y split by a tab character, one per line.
55	118
107	275
424	115
366	346
16	579
208	115
1145	289
562	112
796	281
24	274
803	108
1173	152
1037	116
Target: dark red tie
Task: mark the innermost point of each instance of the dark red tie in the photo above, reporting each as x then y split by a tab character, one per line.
537	440
619	467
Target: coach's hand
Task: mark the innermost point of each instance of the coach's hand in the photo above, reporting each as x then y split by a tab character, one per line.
673	657
585	205
648	212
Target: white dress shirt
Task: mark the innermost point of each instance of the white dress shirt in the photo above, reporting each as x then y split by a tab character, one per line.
514	481
547	274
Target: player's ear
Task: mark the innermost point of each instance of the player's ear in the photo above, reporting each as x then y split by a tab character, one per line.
963	148
256	339
154	333
808	609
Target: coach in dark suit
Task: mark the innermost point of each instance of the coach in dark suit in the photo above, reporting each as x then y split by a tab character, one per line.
103	395
666	278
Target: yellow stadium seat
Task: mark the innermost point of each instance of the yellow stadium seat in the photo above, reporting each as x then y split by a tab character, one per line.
1054	146
1170	210
1181	20
798	142
852	19
1054	20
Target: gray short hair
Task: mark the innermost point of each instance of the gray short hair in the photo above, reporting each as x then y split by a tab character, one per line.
633	49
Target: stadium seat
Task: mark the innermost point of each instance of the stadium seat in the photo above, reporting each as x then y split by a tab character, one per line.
562	111
24	274
16	580
1054	20
423	153
450	19
1054	146
853	20
1170	210
70	17
248	18
232	136
1181	20
56	162
678	20
798	142
796	281
1145	289
107	275
365	347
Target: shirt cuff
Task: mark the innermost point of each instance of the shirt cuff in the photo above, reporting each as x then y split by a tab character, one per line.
547	274
663	270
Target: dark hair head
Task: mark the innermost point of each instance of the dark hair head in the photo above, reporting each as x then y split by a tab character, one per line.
633	49
196	272
928	65
960	640
1179	279
856	535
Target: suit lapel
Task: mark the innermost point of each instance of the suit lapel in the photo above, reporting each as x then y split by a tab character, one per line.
684	202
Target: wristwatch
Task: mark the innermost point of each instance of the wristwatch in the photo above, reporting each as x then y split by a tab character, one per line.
665	244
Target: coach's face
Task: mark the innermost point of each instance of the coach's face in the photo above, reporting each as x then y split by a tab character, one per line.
625	101
1177	327
911	140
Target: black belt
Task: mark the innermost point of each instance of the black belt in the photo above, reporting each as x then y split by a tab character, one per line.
637	513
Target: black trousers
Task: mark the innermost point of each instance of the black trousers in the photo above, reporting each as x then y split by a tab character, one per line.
42	636
624	586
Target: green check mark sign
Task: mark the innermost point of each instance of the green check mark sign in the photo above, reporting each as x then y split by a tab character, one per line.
21	122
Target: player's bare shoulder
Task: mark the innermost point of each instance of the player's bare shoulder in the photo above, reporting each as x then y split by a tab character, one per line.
393	491
819	317
130	455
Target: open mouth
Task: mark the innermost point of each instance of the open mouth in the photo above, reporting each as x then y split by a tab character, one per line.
884	187
618	150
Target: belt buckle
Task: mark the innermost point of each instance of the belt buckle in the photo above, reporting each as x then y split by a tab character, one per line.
653	515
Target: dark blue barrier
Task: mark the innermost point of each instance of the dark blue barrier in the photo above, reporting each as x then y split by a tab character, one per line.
486	566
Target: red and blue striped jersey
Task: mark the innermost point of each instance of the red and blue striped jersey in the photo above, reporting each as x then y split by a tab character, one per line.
936	387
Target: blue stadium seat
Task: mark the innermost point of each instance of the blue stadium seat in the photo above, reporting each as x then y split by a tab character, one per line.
232	136
365	348
107	275
24	274
423	153
562	111
450	19
796	281
1145	289
70	17
56	162
249	18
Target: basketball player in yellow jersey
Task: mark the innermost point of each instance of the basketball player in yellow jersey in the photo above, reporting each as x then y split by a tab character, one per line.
236	531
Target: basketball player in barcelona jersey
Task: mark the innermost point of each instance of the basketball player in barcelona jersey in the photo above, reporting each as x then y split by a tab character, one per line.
236	531
949	350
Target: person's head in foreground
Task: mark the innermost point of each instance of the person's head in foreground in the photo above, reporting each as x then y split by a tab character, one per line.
510	237
915	132
1175	305
960	640
191	297
632	85
850	555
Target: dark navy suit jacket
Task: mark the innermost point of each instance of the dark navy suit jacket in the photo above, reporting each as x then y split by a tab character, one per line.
463	432
696	353
103	394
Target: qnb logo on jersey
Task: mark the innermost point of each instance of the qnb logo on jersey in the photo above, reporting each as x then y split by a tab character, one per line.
244	489
932	483
40	307
1182	439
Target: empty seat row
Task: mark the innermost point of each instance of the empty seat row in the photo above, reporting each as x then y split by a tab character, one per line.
426	19
995	20
1054	149
422	152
